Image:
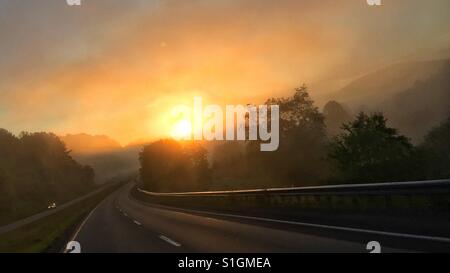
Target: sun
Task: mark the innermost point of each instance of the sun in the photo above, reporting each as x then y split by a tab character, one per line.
182	129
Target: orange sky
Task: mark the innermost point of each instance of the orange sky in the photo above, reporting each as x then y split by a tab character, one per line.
118	67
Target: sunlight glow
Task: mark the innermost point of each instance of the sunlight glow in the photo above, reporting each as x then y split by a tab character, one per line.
182	129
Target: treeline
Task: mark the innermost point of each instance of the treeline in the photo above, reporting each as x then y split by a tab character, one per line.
168	165
315	148
36	169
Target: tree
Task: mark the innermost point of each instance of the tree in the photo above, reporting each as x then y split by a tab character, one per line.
35	169
169	165
300	158
229	165
298	112
369	151
436	150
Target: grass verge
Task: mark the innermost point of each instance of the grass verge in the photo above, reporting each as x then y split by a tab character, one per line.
49	234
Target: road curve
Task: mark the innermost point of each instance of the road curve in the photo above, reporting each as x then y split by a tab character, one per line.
122	224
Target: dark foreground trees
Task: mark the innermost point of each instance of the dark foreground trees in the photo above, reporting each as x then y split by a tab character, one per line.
168	165
364	150
301	157
36	169
369	151
436	152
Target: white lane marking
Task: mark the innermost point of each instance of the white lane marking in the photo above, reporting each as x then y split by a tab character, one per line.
359	230
137	223
125	214
170	241
83	223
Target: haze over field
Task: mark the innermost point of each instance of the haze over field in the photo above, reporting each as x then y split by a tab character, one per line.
105	155
116	68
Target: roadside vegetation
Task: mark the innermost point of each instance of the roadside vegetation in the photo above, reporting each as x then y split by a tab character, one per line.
171	165
36	170
51	233
316	148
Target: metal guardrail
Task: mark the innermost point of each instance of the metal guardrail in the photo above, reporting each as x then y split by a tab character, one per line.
401	188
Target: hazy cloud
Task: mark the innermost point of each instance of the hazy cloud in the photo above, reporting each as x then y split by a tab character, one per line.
101	67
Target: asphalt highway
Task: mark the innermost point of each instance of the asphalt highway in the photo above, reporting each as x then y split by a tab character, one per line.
123	224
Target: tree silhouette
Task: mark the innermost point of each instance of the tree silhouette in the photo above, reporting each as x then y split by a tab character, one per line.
436	150
300	158
369	151
169	165
36	169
